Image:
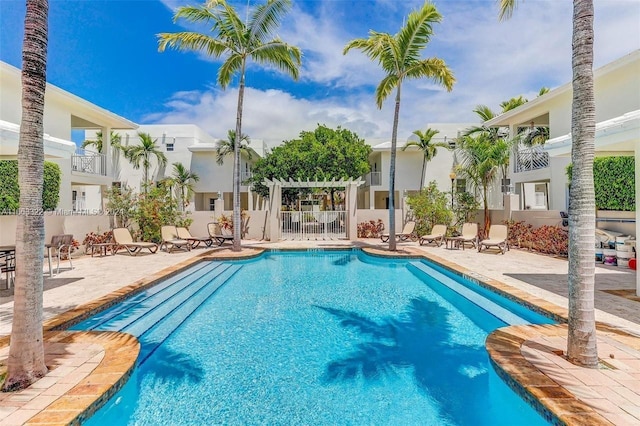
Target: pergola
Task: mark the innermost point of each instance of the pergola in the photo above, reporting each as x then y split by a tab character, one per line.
275	201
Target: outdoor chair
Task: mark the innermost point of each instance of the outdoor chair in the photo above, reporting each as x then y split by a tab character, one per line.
123	239
58	245
469	234
8	267
184	234
498	237
407	232
171	241
215	232
436	236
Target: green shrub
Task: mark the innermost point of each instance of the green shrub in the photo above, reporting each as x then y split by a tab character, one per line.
10	195
614	183
157	208
430	207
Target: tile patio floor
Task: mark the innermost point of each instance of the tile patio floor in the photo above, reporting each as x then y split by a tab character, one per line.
84	365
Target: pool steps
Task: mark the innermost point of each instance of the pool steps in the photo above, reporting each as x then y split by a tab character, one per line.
154	315
496	310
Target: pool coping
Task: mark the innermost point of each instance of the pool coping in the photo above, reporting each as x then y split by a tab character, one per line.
550	399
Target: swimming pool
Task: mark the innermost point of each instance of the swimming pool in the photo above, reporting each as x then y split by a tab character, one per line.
334	337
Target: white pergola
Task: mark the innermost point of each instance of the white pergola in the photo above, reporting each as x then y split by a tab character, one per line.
275	201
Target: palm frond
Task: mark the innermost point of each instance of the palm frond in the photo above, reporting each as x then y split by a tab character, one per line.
434	68
385	87
415	35
193	41
194	14
228	68
506	9
484	112
266	18
231	27
283	56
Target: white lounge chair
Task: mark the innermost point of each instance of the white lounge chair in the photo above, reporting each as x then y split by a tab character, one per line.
171	241
407	232
469	234
215	232
436	236
184	234
498	235
123	239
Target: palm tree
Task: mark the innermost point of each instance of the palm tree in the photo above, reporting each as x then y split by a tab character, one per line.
115	138
481	160
184	179
142	153
228	147
26	363
513	103
240	42
581	345
399	57
429	150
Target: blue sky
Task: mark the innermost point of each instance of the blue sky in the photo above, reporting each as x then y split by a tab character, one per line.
106	52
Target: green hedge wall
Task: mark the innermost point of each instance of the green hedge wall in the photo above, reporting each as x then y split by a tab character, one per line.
10	194
615	183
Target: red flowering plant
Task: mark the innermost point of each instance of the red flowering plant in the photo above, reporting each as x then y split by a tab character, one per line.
371	229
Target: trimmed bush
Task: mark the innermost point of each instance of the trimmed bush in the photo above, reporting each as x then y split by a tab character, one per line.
614	183
10	195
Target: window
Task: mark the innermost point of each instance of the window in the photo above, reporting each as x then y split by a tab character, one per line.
169	147
461	185
212	204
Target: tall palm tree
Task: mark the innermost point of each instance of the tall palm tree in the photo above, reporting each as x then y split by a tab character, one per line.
26	353
240	41
141	154
184	179
399	57
115	139
228	147
581	345
513	103
481	159
429	149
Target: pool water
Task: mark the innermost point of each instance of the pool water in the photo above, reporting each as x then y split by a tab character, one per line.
324	338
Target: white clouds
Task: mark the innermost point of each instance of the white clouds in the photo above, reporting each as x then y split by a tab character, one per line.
493	61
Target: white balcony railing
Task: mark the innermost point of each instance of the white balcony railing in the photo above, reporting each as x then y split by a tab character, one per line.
373	179
88	162
532	158
79	204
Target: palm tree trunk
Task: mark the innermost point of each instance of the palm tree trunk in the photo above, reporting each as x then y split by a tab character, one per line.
581	346
487	217
424	168
236	168
26	353
392	173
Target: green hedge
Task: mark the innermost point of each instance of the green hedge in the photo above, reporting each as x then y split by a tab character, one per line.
615	183
10	195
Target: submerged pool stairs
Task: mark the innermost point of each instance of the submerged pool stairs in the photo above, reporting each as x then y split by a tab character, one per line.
496	310
155	313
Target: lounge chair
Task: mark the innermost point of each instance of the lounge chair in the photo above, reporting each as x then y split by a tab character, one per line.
171	241
469	235
436	236
59	244
123	239
407	232
184	234
215	232
497	238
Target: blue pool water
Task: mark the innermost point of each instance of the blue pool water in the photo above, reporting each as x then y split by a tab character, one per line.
325	338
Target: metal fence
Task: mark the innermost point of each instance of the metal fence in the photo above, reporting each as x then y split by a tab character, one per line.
325	225
95	164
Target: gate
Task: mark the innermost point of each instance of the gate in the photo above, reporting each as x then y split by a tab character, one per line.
310	225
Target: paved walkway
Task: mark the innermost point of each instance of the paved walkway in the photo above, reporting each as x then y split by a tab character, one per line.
78	368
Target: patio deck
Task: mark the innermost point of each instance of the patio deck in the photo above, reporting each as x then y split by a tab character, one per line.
79	372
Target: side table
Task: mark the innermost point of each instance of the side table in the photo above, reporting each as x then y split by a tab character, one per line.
102	249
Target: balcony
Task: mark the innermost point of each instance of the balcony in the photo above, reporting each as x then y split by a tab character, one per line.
245	176
373	179
532	158
89	162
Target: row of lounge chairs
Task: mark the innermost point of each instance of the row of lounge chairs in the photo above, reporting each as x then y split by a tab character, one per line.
172	238
498	237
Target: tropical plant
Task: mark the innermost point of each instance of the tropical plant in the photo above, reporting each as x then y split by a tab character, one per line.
513	103
121	204
480	162
25	363
429	149
465	208
156	208
430	207
371	229
142	154
582	340
226	147
115	139
399	57
184	179
10	196
240	42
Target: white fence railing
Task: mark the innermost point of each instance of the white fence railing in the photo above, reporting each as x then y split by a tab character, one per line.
95	164
326	225
373	179
532	158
